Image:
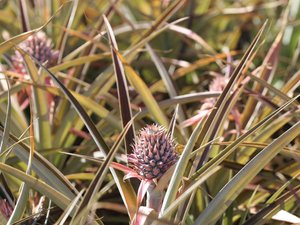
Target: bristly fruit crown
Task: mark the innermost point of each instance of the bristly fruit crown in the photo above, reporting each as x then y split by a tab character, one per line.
153	152
40	47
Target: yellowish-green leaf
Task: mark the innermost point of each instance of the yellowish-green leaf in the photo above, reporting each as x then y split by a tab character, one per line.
57	197
145	93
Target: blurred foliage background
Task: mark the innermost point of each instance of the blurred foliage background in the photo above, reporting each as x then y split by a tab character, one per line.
173	52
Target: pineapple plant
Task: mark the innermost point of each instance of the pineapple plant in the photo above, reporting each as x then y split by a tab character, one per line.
153	152
132	84
38	46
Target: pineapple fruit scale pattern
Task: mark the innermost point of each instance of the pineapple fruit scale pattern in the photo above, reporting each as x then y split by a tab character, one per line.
153	152
40	47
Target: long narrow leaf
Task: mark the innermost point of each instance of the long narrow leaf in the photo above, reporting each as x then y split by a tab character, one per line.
145	93
179	169
45	170
271	61
228	194
100	175
211	122
122	86
266	213
57	197
228	150
69	209
4	140
123	187
24	189
24	16
205	131
170	85
40	106
12	42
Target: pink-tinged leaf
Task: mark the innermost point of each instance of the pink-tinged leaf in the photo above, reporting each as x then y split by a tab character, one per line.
195	119
117	166
236	117
80	133
24	104
132	175
121	167
142	215
144	185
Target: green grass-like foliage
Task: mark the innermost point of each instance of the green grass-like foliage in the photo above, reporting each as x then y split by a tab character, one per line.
222	77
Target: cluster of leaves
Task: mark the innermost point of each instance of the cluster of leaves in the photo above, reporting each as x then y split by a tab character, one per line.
124	64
